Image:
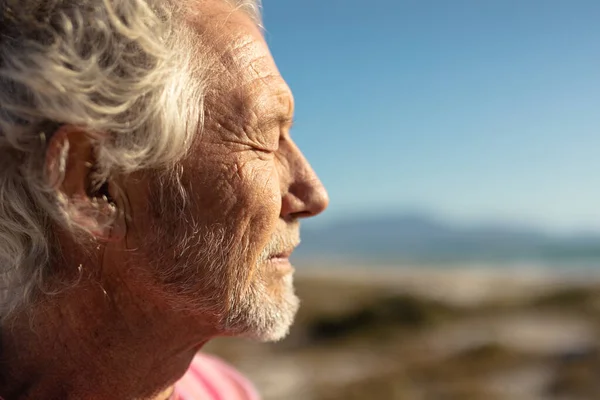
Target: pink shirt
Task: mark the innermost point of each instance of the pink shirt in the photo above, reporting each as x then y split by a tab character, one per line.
209	378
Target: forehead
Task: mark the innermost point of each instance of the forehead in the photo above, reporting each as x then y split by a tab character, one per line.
240	64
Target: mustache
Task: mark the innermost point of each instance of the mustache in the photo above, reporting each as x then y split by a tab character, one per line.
282	241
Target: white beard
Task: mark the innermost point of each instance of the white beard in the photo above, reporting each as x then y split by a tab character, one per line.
259	315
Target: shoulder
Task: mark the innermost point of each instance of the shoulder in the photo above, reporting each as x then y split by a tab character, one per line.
211	378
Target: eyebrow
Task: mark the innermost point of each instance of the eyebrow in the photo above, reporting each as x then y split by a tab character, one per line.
276	121
272	106
281	115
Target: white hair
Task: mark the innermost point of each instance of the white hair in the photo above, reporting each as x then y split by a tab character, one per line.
119	67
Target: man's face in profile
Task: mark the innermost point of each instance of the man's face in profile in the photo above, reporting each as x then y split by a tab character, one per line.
219	235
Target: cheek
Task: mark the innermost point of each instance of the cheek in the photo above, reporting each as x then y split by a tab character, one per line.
260	197
253	215
242	194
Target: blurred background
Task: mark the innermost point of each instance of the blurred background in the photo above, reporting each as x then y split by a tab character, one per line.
460	256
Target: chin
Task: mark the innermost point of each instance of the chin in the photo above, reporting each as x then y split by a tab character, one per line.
263	315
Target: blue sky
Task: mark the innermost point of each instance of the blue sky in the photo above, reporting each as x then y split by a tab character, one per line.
471	110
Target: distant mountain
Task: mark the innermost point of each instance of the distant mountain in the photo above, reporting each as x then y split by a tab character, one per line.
419	238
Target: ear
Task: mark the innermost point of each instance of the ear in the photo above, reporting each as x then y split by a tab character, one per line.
86	197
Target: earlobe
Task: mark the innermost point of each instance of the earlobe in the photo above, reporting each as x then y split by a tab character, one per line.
70	170
56	158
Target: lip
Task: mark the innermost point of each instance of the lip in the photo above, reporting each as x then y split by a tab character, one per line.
281	262
283	255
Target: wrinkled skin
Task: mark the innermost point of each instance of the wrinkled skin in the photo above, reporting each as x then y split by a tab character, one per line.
200	257
244	178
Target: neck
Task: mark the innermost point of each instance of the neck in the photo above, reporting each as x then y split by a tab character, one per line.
88	344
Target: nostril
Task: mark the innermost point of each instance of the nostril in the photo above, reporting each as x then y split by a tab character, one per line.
304	201
304	214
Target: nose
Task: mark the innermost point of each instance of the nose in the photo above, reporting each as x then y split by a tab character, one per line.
306	196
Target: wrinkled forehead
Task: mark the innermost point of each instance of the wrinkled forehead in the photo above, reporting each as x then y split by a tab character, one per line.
231	38
241	64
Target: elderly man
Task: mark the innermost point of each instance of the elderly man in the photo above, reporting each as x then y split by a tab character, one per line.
150	195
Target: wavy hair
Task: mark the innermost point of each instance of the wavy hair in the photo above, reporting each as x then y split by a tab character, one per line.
118	67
